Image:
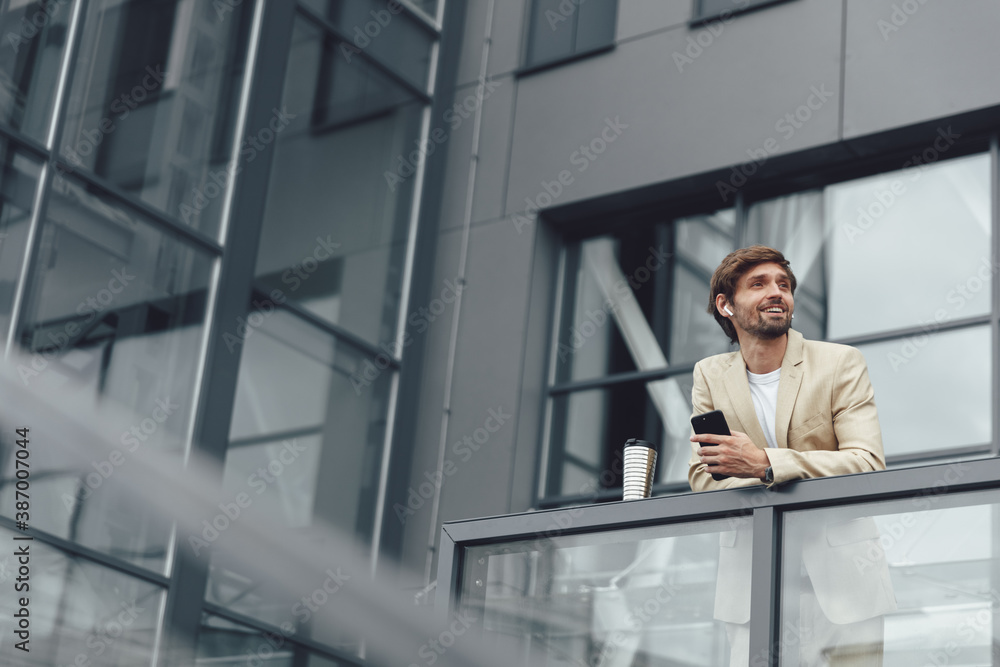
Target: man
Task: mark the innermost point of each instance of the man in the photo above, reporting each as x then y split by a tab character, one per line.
796	409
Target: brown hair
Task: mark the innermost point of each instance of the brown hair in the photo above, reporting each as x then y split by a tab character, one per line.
732	268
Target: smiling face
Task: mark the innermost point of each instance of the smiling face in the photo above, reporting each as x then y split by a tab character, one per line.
763	302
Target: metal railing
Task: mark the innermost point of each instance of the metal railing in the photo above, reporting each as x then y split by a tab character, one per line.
923	492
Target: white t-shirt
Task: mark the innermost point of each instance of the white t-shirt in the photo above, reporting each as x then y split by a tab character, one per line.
764	390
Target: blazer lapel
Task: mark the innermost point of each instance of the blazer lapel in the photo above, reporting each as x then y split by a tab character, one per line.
788	387
739	394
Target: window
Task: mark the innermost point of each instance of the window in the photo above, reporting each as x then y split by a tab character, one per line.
115	298
154	116
633	325
131	197
559	30
710	9
314	398
874	271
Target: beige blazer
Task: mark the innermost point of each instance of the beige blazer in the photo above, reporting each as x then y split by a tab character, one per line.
826	424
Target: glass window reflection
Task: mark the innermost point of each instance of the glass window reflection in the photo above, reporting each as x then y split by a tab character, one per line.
590	343
622	598
701	242
590	428
34	36
927	566
794	225
612	320
80	613
116	313
868	253
153	102
554	35
384	31
306	447
885	234
337	219
933	390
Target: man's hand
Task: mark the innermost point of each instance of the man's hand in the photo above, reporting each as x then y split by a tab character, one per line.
734	455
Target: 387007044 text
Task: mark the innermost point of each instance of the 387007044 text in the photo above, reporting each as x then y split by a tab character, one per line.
22	543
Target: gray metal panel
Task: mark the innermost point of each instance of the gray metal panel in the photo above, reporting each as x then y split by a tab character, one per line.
494	150
683	118
534	376
424	440
458	149
508	26
471	57
937	60
639	17
487	369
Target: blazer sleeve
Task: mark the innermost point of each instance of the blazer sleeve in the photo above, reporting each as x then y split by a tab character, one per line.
855	424
698	477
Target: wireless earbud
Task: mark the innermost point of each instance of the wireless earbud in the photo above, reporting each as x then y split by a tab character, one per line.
729	312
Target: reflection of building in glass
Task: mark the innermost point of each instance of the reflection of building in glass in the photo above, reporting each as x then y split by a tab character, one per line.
395	263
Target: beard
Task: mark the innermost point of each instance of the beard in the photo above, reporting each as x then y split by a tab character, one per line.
758	324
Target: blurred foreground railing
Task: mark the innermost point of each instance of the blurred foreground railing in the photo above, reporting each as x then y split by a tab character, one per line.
91	604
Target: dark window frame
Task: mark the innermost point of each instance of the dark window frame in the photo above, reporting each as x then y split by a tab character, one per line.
530	66
700	15
817	178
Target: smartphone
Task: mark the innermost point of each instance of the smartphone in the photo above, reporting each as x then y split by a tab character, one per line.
713	423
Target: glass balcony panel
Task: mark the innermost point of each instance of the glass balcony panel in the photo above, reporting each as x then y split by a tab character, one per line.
116	314
645	596
914	580
80	613
34	37
154	99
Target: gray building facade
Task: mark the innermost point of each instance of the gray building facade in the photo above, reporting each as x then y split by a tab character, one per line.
850	135
392	264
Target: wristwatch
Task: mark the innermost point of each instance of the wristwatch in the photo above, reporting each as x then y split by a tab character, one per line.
769	475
